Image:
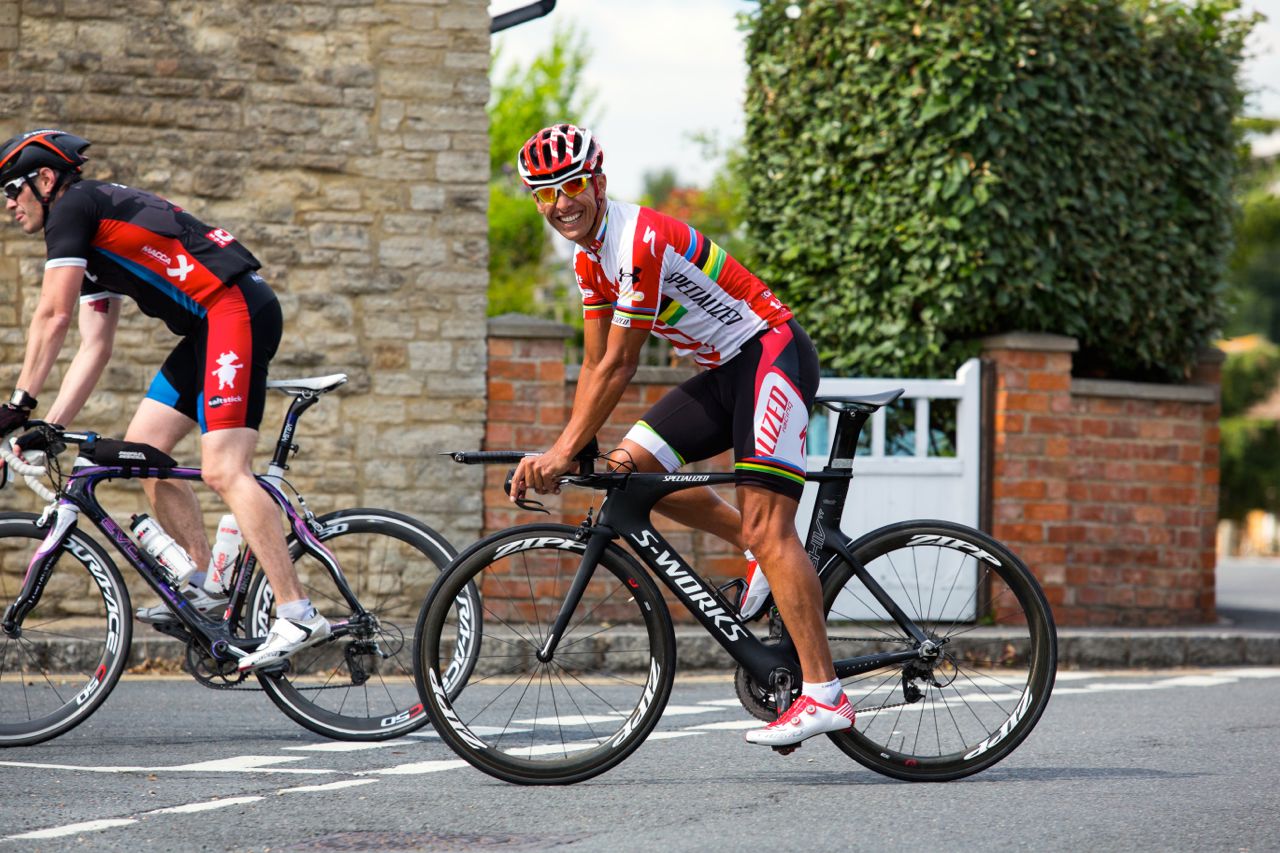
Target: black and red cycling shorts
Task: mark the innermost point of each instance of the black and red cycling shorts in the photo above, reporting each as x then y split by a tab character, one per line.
217	375
757	403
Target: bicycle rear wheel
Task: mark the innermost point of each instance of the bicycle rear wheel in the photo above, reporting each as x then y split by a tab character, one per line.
561	720
974	702
73	645
359	686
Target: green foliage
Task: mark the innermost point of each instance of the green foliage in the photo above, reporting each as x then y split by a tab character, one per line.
1249	377
1250	467
1255	266
922	173
527	99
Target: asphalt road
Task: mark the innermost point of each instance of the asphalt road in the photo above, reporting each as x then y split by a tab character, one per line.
1168	760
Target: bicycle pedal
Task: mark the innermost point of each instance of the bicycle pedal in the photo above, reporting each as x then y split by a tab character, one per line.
786	750
281	668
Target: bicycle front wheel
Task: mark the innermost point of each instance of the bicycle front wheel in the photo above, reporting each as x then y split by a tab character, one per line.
359	685
63	661
567	717
966	706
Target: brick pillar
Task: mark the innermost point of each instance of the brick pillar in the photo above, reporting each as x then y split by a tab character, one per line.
1031	442
1108	490
527	411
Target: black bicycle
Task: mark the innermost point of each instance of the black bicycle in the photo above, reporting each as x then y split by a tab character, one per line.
942	638
67	624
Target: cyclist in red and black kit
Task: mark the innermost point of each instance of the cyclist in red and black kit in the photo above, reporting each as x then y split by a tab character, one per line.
105	242
640	273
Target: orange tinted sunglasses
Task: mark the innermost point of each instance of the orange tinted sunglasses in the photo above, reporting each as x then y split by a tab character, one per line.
571	188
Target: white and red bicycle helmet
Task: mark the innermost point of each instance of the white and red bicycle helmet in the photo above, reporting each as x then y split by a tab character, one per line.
558	152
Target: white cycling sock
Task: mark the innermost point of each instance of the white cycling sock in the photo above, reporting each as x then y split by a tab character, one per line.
299	610
827	693
197	579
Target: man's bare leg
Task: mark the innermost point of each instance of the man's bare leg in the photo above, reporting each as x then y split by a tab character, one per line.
701	509
173	502
226	457
769	527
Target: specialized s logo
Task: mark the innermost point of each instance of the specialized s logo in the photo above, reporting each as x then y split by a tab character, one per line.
227	370
650	239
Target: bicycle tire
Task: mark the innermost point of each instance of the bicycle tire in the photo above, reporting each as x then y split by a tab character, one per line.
359	688
997	662
65	663
572	717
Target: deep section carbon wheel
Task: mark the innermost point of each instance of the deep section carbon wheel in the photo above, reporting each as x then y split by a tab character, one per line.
990	650
359	685
59	665
527	716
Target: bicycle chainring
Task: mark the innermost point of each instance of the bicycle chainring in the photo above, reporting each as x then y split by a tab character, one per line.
212	673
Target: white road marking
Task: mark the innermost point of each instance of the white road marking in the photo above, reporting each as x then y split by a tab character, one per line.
416	768
206	806
349	746
243	763
331	786
669	735
75	828
728	726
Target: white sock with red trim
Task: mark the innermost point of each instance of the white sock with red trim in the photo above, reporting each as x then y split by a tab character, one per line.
827	693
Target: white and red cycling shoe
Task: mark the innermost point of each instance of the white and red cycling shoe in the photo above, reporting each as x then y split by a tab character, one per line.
805	718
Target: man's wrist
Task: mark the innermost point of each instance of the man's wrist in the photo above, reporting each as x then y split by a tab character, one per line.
22	400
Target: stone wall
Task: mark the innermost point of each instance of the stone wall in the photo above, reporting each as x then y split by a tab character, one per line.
345	143
1107	490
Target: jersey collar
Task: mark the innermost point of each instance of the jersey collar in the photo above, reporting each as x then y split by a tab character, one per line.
598	240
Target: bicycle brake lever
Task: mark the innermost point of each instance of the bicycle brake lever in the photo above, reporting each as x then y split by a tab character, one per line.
532	506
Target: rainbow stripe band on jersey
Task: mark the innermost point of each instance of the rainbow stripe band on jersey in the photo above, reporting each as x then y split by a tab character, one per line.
770	466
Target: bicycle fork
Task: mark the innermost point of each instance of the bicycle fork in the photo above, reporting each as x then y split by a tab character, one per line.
40	569
586	571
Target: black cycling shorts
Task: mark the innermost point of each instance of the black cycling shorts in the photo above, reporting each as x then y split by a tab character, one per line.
757	403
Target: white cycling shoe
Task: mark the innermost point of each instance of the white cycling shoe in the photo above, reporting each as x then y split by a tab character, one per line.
286	637
201	600
805	718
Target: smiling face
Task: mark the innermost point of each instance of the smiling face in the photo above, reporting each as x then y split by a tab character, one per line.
577	218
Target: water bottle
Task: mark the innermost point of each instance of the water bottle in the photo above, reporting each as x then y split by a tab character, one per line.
226	548
175	561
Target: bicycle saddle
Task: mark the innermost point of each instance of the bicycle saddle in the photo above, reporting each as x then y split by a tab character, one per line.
863	403
314	384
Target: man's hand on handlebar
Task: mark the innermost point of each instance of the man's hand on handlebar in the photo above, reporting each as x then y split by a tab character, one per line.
44	439
12	417
541	473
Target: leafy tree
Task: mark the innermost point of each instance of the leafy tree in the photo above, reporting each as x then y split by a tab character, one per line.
925	173
525	99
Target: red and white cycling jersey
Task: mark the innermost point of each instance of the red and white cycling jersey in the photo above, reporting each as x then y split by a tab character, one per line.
655	272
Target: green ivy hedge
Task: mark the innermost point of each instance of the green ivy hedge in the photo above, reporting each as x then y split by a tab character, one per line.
920	174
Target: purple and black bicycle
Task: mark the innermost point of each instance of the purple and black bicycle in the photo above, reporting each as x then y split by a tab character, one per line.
67	626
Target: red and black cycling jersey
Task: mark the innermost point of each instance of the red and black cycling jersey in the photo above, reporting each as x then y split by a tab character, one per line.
136	244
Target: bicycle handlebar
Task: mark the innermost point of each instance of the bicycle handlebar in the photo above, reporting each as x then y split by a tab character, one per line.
488	457
29	472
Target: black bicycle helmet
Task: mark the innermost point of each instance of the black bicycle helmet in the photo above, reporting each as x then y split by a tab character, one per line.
25	153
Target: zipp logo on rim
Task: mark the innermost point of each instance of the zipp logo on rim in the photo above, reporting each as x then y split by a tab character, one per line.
449	716
951	542
539	542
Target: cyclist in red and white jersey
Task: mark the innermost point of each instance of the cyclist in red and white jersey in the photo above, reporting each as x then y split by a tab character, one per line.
641	272
106	241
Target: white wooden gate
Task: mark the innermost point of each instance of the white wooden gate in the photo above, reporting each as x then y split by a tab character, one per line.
904	471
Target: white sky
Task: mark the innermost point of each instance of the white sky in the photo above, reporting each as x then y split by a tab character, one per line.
665	69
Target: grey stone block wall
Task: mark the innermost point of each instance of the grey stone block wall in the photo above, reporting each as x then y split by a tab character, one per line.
345	143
